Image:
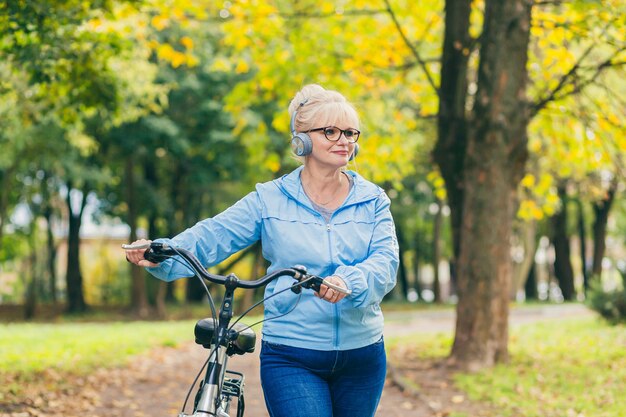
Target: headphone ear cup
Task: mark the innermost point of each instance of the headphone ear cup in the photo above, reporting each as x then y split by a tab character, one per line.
355	153
301	144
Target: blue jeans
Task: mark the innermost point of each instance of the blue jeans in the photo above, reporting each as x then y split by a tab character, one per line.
313	383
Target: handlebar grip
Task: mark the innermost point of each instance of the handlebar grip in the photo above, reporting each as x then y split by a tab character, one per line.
336	287
155	252
315	283
153	257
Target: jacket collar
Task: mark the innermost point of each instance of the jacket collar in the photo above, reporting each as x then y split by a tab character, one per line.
363	190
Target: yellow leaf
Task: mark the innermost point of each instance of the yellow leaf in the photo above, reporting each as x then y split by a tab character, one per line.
160	22
328	7
178	59
165	52
267	83
221	65
187	42
528	181
242	67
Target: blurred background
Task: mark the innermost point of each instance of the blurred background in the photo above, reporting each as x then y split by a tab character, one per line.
496	127
126	119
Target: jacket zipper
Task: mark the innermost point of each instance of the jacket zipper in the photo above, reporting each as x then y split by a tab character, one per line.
335	308
330	251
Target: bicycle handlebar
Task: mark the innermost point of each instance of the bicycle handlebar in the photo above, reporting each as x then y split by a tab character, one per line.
157	252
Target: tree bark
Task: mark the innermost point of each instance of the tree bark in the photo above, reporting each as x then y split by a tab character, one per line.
402	271
417	285
138	294
582	236
482	157
526	234
437	252
562	263
75	295
601	211
530	287
50	244
449	152
6	177
30	301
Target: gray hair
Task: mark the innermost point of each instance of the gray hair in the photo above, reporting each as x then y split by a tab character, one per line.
321	108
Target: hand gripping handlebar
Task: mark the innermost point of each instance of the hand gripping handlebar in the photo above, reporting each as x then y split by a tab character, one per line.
158	252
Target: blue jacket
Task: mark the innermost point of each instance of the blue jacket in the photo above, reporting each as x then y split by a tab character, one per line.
358	244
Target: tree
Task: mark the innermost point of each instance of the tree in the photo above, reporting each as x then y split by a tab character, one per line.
479	79
560	240
70	56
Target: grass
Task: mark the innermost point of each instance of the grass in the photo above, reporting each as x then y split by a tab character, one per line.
28	348
560	368
567	368
564	368
44	353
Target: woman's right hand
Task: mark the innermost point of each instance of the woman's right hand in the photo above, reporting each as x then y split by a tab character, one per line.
135	256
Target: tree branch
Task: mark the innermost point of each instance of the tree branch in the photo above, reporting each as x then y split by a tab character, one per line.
563	82
355	12
582	85
558	92
548	3
414	51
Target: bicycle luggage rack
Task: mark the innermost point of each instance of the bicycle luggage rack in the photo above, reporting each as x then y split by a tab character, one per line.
233	387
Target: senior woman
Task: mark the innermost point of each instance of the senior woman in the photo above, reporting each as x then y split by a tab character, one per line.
326	358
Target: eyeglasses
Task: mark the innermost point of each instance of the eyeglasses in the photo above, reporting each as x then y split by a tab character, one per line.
333	133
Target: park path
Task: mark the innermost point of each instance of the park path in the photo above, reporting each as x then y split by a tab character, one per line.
155	384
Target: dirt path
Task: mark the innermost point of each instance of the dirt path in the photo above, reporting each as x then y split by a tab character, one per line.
155	384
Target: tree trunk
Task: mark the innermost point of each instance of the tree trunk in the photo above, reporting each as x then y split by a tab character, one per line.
7	176
582	236
601	211
75	298
530	287
449	152
257	270
30	301
437	252
526	234
562	261
417	285
50	245
138	294
402	272
482	157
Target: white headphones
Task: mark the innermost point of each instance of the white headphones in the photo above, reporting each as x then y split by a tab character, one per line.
301	143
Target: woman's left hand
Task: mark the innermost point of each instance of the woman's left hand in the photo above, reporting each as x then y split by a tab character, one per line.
330	295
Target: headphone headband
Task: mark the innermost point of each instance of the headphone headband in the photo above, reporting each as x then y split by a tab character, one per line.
292	125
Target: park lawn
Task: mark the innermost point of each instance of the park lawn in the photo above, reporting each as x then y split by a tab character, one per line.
29	349
560	368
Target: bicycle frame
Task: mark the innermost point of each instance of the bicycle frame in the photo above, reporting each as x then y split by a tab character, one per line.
216	390
211	401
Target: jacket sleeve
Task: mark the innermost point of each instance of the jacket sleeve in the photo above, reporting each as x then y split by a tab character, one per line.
373	278
214	239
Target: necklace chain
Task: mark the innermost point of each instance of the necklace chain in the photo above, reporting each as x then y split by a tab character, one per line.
332	197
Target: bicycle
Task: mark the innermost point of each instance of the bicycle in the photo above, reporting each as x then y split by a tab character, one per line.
220	386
